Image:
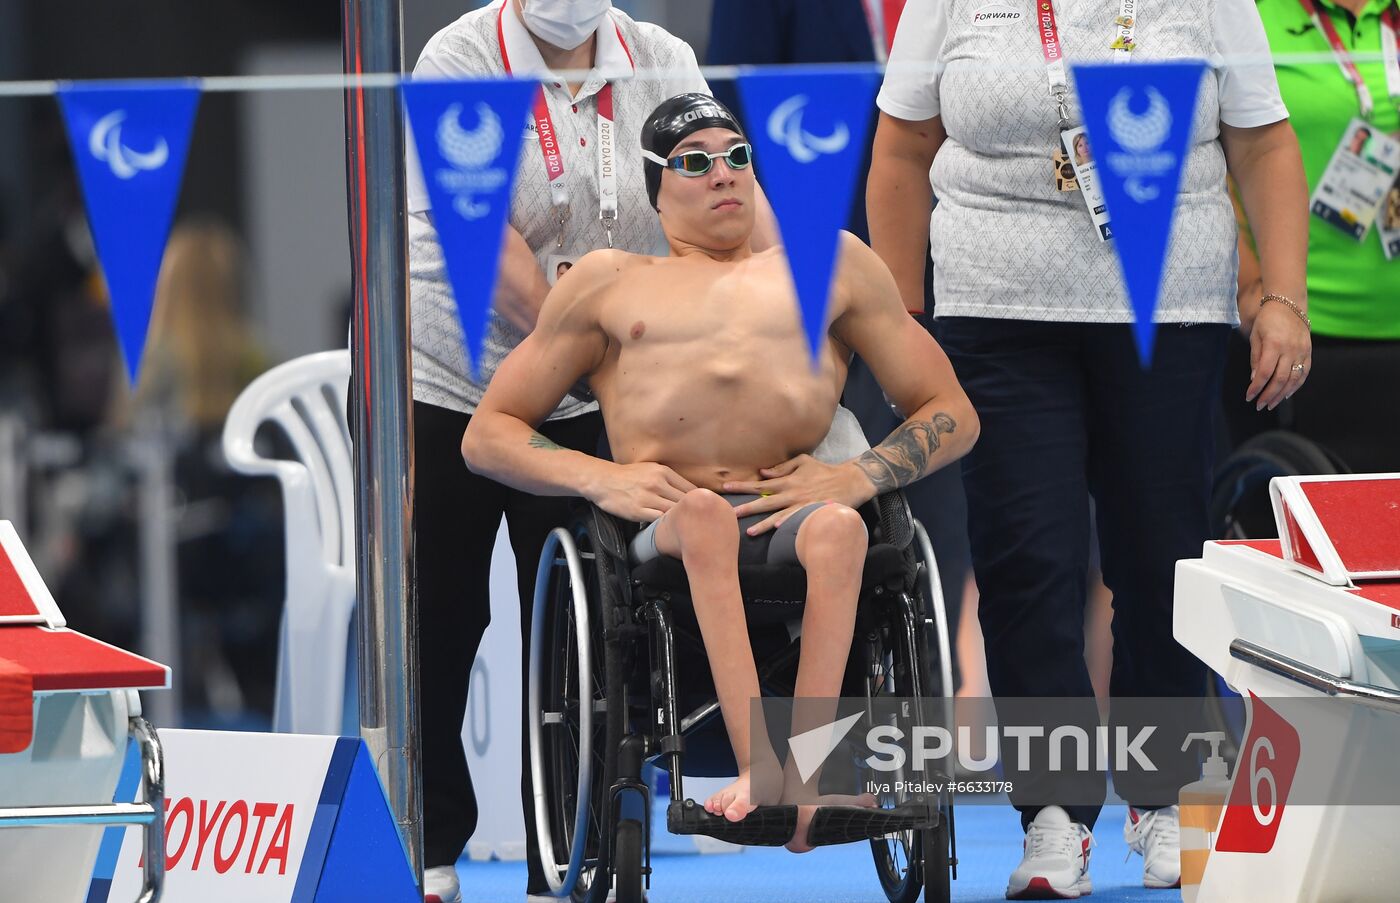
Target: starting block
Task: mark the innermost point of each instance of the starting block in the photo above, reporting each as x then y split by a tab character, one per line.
1311	616
223	817
68	705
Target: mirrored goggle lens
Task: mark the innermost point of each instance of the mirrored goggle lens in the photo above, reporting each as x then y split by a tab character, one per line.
697	163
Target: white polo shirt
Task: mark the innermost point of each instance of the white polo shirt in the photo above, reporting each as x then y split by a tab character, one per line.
1005	242
472	45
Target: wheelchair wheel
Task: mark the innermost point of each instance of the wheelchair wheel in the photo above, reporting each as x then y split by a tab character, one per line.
936	608
897	666
937	861
568	735
627	866
898	857
1239	505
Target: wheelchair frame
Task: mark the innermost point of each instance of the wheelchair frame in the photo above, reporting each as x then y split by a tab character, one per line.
607	849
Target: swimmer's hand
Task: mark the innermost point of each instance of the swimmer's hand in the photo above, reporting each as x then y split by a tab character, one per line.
794	484
636	492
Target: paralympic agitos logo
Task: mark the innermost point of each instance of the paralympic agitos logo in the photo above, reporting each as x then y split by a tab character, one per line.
471	154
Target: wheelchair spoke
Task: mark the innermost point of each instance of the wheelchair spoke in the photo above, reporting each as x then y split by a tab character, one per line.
897	858
888	676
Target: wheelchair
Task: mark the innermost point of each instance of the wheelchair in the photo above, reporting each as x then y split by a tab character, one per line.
619	678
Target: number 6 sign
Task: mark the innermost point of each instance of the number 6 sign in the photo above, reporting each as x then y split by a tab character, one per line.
1269	759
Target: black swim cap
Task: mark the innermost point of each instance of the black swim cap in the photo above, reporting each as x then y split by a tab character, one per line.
670	123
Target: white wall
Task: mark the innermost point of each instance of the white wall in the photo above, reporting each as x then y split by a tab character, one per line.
294	159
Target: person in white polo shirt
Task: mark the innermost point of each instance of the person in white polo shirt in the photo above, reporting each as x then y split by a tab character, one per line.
560	211
1030	306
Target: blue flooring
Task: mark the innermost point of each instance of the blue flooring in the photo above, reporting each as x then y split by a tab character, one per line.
989	847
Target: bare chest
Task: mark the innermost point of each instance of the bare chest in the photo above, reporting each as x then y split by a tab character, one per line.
684	314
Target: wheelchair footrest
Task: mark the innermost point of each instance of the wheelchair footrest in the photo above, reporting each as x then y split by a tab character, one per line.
849	824
766	826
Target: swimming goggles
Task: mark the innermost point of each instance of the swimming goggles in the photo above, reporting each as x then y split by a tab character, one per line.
696	163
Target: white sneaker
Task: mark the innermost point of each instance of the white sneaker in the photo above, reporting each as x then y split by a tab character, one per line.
440	885
1055	865
1156	834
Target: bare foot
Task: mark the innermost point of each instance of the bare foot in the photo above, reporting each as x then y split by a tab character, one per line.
734	802
799	843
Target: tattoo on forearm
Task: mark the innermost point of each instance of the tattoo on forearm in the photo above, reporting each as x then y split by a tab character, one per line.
904	456
539	441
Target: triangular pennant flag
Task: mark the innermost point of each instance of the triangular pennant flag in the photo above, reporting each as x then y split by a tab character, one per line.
1139	118
129	144
809	132
468	134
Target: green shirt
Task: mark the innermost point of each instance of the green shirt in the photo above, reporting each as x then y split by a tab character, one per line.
1353	291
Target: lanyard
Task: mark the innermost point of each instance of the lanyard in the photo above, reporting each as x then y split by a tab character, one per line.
1390	25
553	153
1054	51
607	163
883	18
875	18
1390	37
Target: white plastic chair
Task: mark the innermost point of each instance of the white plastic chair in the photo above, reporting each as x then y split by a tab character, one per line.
306	398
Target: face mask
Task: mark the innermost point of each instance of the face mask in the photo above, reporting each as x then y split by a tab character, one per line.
564	23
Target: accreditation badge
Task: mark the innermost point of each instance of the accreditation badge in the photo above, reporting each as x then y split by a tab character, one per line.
1388	222
1065	180
1357	180
1075	144
556	265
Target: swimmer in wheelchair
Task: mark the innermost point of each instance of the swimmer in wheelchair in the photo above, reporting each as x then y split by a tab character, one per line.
713	406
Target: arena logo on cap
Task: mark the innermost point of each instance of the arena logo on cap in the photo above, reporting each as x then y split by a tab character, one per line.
995	14
709	111
470	153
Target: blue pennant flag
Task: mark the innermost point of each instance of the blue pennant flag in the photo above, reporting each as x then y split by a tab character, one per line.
1139	118
468	139
129	145
809	129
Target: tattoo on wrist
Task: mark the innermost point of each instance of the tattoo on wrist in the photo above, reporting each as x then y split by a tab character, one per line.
904	456
876	471
539	441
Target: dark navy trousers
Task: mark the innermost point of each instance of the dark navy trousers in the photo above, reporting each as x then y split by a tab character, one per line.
1069	413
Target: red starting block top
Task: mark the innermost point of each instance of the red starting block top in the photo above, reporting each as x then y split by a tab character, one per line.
1382	592
1340	528
39	655
62	659
24	599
